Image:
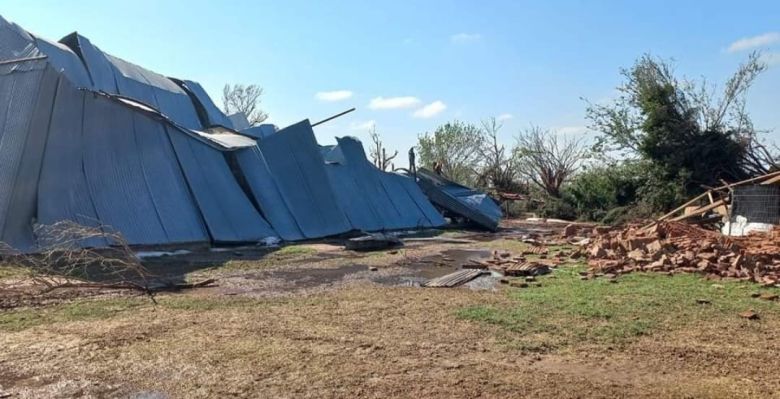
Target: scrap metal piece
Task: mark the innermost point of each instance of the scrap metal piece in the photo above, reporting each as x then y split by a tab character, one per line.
455	279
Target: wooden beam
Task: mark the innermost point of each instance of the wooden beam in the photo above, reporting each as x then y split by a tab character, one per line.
700	210
681	207
753	180
771	181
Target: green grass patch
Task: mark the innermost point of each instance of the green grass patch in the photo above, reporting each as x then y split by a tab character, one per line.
566	311
7	271
103	309
295	250
283	254
21	319
204	303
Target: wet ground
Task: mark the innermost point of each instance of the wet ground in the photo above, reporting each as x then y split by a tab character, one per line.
308	267
309	275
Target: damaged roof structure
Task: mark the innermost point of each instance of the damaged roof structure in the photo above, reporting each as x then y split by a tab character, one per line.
463	201
91	138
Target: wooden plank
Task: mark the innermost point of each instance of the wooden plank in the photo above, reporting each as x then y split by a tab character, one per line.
700	210
752	180
771	181
681	207
769	178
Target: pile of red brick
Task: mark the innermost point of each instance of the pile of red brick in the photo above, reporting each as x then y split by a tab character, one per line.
674	247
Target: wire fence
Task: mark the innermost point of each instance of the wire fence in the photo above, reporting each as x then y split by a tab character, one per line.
757	204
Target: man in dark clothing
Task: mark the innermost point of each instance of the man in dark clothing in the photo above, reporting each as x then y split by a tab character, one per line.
412	164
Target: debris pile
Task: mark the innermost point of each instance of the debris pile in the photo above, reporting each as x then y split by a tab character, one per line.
517	265
674	247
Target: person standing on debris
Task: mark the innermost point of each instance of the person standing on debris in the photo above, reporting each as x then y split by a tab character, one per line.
412	164
437	167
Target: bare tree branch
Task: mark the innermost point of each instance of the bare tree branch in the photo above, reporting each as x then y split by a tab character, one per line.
546	160
378	152
244	99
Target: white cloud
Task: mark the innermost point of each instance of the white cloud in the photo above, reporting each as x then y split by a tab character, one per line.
505	117
463	38
771	59
430	110
362	125
753	42
571	130
335	95
393	102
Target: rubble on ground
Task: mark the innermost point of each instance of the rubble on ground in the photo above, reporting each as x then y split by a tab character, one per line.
512	265
675	247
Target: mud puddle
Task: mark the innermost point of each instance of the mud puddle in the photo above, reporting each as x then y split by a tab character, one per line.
296	279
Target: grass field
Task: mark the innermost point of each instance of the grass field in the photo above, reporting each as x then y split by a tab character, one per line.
642	336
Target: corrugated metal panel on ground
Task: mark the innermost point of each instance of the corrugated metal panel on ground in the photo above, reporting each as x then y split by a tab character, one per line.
474	205
297	170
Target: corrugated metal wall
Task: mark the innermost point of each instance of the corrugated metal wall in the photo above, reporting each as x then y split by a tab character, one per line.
393	202
305	203
70	154
228	213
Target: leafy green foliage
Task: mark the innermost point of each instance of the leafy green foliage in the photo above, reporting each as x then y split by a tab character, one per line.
681	128
456	146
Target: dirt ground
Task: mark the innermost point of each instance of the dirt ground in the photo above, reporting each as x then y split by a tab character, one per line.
314	320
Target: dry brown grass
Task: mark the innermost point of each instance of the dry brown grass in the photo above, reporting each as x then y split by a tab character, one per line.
362	340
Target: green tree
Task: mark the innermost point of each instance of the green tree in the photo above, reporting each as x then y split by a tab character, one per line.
456	145
689	134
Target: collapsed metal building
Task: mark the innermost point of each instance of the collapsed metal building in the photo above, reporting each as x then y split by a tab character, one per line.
91	138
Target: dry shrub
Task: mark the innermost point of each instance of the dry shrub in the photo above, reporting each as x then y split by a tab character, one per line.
70	255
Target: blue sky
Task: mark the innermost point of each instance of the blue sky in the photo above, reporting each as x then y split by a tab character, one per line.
409	66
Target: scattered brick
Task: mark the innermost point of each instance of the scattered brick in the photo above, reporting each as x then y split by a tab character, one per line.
749	314
670	247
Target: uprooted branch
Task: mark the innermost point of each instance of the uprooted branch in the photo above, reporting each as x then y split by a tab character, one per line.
70	255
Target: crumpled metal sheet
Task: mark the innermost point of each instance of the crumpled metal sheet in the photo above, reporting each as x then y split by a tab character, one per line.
390	202
212	115
25	104
469	203
305	202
